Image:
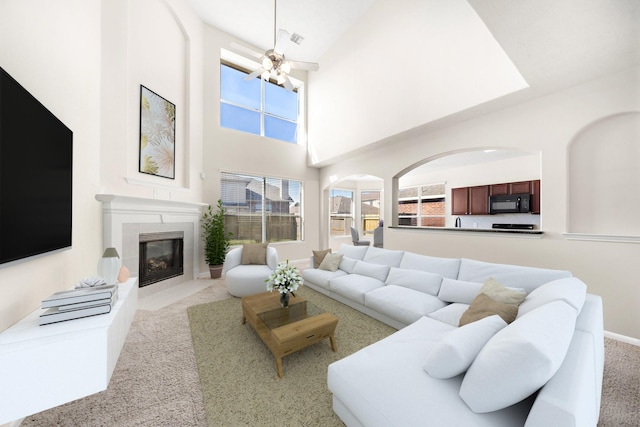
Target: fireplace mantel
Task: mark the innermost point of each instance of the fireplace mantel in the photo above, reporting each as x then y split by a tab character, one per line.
120	213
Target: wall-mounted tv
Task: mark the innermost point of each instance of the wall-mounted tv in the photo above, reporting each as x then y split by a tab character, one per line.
36	158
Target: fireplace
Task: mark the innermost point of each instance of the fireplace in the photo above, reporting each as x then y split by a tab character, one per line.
161	256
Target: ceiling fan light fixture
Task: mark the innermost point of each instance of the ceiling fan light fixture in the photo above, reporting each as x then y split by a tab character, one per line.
296	38
285	67
267	64
266	75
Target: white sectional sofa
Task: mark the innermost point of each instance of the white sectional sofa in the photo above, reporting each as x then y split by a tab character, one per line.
544	368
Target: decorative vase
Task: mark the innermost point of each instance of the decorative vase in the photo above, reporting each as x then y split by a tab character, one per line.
284	299
109	266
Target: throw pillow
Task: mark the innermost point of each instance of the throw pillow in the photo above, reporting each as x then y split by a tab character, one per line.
520	358
331	262
458	291
318	256
454	354
484	306
496	291
450	314
254	253
414	279
348	264
571	290
377	271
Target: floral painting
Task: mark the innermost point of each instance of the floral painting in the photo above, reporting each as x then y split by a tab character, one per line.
157	134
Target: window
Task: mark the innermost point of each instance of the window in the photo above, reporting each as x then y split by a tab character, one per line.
422	206
341	212
257	106
261	209
369	210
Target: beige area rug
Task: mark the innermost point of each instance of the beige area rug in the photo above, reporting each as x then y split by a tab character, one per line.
238	372
156	382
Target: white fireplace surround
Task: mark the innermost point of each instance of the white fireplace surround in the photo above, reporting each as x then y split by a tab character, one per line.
125	217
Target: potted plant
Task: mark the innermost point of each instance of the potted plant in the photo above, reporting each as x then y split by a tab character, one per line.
216	241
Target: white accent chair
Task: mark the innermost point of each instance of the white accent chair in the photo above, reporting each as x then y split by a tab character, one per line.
243	280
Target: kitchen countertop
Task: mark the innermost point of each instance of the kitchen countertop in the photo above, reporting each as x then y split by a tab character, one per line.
476	230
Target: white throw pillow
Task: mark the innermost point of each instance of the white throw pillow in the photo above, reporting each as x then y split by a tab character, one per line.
330	262
460	291
519	359
456	351
377	271
450	314
570	290
413	279
347	264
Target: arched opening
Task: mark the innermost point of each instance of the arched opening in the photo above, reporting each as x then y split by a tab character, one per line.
416	204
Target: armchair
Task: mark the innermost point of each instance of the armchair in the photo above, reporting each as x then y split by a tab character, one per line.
248	279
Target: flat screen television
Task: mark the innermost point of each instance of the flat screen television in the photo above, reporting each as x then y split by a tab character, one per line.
36	159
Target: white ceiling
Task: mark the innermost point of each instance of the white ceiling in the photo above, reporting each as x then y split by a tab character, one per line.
554	44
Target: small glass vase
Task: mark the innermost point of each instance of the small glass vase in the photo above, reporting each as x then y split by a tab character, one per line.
284	299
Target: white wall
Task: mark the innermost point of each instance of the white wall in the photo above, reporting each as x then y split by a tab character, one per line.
53	50
85	61
547	125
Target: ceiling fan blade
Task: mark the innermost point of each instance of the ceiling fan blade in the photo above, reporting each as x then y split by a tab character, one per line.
255	74
309	66
246	50
282	41
287	83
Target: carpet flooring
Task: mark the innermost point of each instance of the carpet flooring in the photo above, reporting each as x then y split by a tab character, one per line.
238	372
156	381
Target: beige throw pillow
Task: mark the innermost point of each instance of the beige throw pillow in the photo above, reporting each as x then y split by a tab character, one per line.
331	262
498	292
254	253
483	306
318	256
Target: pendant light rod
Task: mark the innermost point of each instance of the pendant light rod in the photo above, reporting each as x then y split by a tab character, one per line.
275	27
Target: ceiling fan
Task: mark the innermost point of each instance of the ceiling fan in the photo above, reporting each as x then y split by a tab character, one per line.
273	62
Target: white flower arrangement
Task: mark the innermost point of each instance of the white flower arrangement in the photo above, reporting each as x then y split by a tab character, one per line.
285	278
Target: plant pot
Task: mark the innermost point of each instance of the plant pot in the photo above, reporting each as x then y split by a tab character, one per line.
215	271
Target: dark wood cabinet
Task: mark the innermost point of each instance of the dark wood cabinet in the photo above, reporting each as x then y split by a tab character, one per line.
499	189
523	187
459	201
535	197
475	200
470	200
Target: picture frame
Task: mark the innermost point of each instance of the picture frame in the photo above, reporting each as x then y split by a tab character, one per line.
157	134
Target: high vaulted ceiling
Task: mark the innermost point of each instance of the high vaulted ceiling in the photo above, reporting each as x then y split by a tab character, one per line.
554	44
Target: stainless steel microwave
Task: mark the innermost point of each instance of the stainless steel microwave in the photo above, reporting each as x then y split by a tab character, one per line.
510	203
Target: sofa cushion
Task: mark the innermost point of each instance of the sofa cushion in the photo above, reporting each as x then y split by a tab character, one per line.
319	277
494	289
460	291
446	267
383	256
318	256
331	262
450	314
355	252
354	286
415	279
515	276
483	306
570	290
254	253
455	352
402	304
520	358
347	264
377	271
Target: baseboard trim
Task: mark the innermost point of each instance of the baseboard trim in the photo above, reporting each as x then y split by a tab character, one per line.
623	338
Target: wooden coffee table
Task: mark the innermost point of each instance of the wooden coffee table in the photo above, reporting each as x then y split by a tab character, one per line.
287	330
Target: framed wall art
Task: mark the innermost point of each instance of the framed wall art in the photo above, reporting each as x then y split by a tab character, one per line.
157	134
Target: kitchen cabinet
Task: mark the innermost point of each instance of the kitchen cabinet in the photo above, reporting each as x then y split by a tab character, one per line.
523	187
535	197
470	200
499	189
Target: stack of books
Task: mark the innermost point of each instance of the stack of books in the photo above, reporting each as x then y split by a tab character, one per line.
77	303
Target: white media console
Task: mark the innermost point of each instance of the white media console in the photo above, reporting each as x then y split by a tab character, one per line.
45	366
